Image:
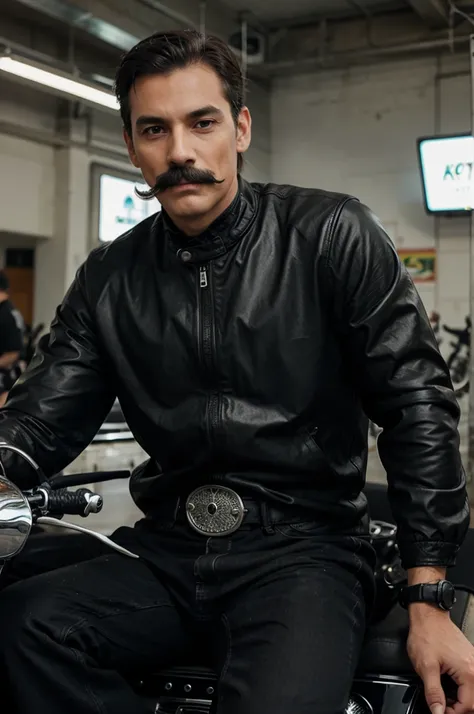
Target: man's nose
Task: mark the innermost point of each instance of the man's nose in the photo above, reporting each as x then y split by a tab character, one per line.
179	148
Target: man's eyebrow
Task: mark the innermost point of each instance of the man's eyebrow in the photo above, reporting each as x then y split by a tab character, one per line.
146	119
209	109
149	119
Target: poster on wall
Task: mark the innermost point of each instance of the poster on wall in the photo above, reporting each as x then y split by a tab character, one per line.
421	264
119	206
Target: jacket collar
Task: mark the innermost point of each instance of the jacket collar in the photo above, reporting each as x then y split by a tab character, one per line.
221	235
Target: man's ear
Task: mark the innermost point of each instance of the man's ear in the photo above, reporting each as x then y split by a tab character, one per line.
244	130
131	151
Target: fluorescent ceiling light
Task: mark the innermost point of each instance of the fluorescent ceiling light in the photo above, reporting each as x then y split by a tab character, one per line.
58	82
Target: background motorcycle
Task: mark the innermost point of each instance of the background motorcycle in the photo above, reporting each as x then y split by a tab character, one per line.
31	541
458	359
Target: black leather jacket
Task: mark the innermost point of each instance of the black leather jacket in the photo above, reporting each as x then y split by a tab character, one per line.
247	357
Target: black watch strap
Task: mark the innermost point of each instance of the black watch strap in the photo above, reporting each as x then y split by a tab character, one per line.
441	594
418	593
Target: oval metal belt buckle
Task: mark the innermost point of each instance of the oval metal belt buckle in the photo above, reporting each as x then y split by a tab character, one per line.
214	510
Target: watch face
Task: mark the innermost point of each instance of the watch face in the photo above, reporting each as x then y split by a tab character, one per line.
447	595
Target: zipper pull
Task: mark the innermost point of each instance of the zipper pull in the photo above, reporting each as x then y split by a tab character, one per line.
203	276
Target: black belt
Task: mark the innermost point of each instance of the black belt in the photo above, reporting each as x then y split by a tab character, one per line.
217	511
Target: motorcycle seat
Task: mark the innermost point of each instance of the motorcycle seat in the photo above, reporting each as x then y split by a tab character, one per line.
384	648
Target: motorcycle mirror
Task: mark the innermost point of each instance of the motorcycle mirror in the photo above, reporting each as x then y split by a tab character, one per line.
16	519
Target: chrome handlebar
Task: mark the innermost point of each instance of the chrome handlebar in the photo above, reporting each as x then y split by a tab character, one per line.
16	450
18	510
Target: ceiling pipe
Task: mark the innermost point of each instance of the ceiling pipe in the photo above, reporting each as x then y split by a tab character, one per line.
354	57
74	16
333	16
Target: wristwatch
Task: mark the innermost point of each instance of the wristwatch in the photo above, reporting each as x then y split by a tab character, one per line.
441	594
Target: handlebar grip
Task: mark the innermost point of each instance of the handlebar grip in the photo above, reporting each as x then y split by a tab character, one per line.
68	480
78	503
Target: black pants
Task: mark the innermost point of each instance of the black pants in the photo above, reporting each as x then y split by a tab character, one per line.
281	615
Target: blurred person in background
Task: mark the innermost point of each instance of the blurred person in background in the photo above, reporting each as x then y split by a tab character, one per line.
435	321
11	340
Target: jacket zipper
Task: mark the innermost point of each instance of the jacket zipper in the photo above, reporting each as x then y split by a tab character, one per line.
206	343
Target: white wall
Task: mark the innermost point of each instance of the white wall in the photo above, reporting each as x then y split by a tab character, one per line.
27	181
355	131
27	177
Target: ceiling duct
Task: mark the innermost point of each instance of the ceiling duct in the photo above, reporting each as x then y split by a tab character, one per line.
343	60
75	16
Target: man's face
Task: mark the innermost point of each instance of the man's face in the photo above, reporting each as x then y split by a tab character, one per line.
183	120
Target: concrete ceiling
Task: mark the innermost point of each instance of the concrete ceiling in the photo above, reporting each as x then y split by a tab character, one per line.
299	34
280	10
121	22
434	12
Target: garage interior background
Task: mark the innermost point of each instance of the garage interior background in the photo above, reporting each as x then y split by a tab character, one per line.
338	99
339	90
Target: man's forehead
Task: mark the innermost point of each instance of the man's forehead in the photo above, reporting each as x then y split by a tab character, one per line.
180	92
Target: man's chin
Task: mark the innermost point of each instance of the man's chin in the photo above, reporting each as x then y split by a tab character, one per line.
185	203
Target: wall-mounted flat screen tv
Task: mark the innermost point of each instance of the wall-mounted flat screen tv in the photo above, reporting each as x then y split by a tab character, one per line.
446	164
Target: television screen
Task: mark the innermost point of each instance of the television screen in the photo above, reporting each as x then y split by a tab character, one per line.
119	206
447	173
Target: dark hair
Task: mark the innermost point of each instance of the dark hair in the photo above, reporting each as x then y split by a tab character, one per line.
164	52
4	282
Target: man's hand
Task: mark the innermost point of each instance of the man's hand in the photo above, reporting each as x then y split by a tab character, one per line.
437	646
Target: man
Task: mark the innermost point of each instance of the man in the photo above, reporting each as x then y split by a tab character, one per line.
245	330
11	339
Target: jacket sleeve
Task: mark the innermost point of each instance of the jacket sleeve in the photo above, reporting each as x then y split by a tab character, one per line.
60	401
404	385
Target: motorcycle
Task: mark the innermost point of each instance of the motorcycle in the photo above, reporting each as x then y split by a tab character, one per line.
385	682
458	359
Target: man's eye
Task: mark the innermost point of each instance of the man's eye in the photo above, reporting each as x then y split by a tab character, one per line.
153	130
205	124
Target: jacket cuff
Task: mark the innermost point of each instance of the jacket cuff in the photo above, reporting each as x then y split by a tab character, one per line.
416	554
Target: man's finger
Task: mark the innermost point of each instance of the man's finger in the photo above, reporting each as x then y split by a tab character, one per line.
434	693
465	701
